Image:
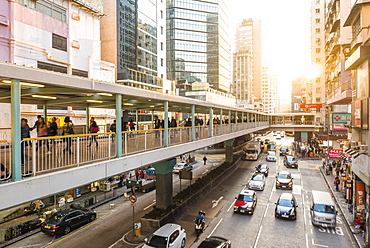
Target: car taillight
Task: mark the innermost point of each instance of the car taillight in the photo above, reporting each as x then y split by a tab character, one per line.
54	227
43	224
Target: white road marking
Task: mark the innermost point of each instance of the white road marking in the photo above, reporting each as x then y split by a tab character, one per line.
232	204
306	240
149	206
258	237
304	216
204	172
214	229
264	215
215	202
313	243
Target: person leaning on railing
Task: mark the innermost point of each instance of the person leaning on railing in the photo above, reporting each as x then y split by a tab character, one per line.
68	130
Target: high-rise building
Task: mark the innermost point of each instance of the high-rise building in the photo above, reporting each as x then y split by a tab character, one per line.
296	94
269	92
247	73
133	36
198	47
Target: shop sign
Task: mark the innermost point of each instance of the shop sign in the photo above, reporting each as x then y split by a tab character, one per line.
341	118
360	193
334	153
318	105
339	127
360	167
78	192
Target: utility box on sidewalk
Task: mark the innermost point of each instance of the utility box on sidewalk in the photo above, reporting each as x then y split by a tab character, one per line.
137	228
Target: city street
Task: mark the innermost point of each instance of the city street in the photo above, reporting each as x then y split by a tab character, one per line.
261	229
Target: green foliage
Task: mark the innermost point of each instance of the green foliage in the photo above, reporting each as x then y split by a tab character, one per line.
185	194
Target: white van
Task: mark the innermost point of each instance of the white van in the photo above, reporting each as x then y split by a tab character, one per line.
323	212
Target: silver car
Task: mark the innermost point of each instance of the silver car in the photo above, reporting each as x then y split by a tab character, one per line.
257	181
271	156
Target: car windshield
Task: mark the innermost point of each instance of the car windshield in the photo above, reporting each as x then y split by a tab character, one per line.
272	146
257	178
285	203
179	166
283	149
158	241
56	218
322	208
271	153
284	176
291	159
245	198
251	151
263	166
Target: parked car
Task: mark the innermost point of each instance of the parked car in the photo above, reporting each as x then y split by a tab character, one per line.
215	242
64	221
286	207
284	180
257	181
262	168
169	235
181	166
271	156
284	151
290	161
246	202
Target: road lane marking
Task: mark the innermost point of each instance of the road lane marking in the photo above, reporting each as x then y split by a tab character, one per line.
258	237
149	206
215	202
306	240
264	215
313	243
232	204
214	229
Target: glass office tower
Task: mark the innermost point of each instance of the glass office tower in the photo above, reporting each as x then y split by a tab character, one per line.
198	45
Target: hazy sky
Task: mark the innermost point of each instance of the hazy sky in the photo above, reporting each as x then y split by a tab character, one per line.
285	34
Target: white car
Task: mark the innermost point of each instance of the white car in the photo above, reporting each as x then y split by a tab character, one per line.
181	166
169	235
271	156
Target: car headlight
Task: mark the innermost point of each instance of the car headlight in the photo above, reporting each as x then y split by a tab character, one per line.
277	183
290	183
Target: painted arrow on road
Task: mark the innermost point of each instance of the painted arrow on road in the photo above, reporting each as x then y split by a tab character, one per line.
215	202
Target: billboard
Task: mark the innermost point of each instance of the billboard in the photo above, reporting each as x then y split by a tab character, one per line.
317	105
334	153
341	118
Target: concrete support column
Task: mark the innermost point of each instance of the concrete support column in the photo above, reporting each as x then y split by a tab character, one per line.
221	127
229	150
87	119
192	122
152	120
118	125
164	183
165	120
243	120
210	122
236	121
15	106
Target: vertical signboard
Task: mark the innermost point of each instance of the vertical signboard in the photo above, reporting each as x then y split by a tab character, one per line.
357	114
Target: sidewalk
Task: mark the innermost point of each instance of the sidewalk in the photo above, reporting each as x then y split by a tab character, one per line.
343	206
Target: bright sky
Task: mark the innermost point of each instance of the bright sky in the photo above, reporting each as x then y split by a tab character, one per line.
285	35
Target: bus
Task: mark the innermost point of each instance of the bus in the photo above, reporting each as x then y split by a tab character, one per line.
289	133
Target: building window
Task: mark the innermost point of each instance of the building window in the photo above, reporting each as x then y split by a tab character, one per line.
317	1
318	90
51	67
80	73
317	20
356	27
161	30
161	62
317	11
317	50
317	30
318	60
59	42
318	40
161	75
318	99
161	46
318	80
161	14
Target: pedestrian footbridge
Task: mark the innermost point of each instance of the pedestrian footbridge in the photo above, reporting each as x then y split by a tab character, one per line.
30	170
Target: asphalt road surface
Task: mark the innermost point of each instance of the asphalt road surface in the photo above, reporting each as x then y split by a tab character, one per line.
261	229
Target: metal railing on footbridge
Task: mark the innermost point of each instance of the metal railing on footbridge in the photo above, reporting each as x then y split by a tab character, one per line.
53	153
